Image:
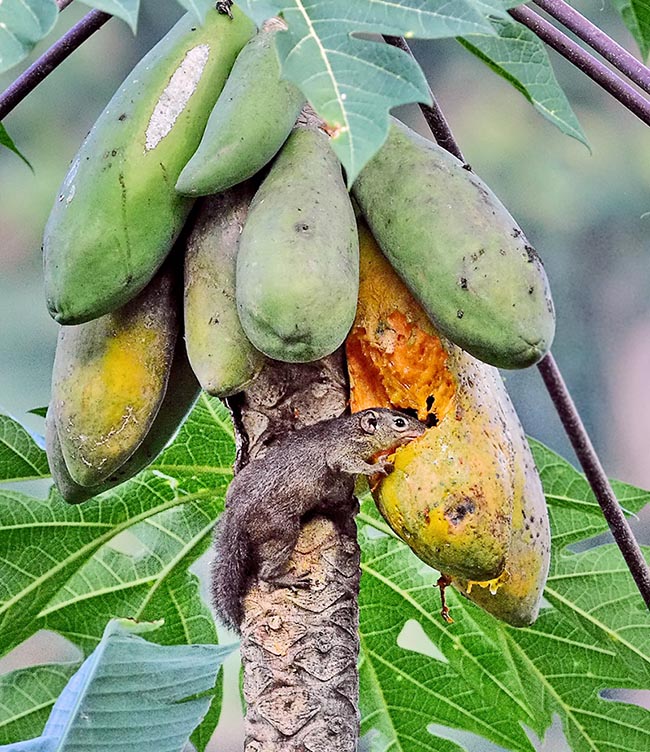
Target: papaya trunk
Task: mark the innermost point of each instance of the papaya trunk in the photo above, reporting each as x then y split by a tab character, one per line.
299	647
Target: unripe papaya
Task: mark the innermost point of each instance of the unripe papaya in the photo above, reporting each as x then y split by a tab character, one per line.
180	396
515	596
298	260
223	359
117	214
458	250
450	496
251	120
109	379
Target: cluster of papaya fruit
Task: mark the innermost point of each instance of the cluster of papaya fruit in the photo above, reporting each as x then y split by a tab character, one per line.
276	265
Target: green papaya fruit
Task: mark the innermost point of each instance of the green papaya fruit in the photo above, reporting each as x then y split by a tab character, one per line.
180	396
298	261
458	250
251	120
109	379
117	214
223	359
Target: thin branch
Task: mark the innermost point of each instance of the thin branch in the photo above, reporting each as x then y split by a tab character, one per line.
575	54
604	45
570	418
45	64
595	474
432	113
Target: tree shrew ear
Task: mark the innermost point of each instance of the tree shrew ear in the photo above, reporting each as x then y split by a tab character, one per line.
368	421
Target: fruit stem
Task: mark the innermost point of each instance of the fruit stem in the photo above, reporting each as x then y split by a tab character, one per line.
604	45
48	61
563	403
584	61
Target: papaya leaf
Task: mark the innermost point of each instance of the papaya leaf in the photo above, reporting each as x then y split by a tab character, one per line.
127	10
131	686
43	543
27	697
352	83
20	457
8	142
198	7
23	23
482	676
636	16
517	55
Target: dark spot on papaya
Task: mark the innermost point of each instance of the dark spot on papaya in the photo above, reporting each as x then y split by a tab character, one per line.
431	420
460	313
123	117
459	510
301	227
426	516
532	254
429	401
467	166
213	320
463	283
502	252
531	289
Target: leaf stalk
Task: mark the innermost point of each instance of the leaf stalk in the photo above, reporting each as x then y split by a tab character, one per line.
584	61
58	52
603	44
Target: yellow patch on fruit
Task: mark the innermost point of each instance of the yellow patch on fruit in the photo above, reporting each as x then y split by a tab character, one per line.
109	379
462	495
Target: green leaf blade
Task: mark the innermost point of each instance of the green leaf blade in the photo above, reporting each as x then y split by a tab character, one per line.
353	83
636	16
126	10
129	686
27	697
23	23
200	8
8	142
20	457
519	57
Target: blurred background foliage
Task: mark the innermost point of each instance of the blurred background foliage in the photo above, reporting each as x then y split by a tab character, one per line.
588	214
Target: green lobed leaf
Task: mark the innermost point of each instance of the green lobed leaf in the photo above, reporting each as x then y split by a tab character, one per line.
43	543
8	142
352	83
198	7
517	55
636	16
130	686
482	676
27	697
20	457
23	23
127	10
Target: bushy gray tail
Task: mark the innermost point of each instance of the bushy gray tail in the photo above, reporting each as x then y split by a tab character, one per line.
230	570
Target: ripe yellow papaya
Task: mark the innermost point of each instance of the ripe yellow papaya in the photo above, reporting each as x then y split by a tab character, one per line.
223	359
515	596
458	250
180	396
298	261
117	214
251	120
109	379
451	494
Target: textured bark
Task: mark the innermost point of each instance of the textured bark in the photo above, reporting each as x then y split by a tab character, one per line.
299	647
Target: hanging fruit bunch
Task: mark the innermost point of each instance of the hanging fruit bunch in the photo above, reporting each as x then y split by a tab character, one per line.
429	289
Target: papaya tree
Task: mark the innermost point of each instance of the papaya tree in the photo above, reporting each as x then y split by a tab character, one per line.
246	248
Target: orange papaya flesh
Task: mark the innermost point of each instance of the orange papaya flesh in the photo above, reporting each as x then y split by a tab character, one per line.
466	496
